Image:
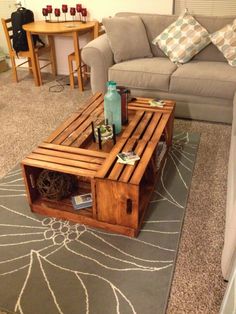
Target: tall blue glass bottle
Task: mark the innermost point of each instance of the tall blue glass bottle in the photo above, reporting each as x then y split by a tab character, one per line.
112	106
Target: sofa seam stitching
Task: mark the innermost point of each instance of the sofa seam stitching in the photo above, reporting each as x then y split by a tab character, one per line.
202	79
139	72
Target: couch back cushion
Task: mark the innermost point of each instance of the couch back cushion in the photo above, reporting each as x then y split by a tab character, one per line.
127	37
156	23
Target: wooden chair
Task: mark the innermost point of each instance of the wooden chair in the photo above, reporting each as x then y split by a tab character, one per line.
83	68
39	51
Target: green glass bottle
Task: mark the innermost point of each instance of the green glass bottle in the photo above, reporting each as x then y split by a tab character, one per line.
112	106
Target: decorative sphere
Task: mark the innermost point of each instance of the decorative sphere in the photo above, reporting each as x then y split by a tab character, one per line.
55	185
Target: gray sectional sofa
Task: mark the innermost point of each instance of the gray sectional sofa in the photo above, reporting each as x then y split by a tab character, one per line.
204	89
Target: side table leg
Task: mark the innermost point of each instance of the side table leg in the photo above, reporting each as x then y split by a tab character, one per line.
78	60
96	30
52	55
35	68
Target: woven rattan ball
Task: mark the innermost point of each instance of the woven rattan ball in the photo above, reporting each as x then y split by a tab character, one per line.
55	185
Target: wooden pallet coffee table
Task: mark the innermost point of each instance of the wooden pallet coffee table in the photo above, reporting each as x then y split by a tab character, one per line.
121	193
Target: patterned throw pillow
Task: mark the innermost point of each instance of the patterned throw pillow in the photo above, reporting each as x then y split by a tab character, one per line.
225	40
183	39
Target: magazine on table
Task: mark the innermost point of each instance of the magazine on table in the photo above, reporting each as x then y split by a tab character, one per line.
128	158
157	102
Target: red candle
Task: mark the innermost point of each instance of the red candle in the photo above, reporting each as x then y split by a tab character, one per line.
84	12
45	11
72	11
57	12
49	8
64	8
78	7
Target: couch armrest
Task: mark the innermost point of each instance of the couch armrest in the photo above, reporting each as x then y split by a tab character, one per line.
98	55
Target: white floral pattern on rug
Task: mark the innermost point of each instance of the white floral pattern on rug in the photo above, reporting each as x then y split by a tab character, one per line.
54	266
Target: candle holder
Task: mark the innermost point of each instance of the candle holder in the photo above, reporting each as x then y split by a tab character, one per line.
49	8
45	13
64	9
84	14
79	9
72	13
57	13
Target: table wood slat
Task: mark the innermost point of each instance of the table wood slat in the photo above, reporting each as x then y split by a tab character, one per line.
64	161
129	169
142	165
98	113
93	106
90	101
53	153
58	168
62	127
151	127
161	126
141	127
111	158
133	124
144	107
143	100
78	131
75	150
118	167
137	176
67	133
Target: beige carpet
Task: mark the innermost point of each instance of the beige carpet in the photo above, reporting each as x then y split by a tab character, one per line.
28	114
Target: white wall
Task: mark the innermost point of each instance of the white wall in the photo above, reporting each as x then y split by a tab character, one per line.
6	8
101	8
97	10
229	302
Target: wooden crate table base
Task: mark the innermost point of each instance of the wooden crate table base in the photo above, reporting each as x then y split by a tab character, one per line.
120	192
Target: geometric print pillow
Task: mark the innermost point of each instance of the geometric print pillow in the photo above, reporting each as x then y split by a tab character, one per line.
225	40
183	39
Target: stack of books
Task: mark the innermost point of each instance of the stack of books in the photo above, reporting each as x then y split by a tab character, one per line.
128	158
157	102
82	201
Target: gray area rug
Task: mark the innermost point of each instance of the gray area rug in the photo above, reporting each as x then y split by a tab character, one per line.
53	266
28	114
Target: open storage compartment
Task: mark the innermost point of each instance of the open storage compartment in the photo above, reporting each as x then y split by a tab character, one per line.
82	185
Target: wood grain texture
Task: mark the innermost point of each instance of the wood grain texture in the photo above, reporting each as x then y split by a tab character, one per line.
120	192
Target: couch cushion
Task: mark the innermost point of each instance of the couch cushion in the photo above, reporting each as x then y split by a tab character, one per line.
183	39
151	73
225	41
127	38
204	78
156	23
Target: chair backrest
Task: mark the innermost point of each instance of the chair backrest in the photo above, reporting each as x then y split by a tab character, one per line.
7	27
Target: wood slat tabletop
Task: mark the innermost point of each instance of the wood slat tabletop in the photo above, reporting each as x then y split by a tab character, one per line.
72	149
